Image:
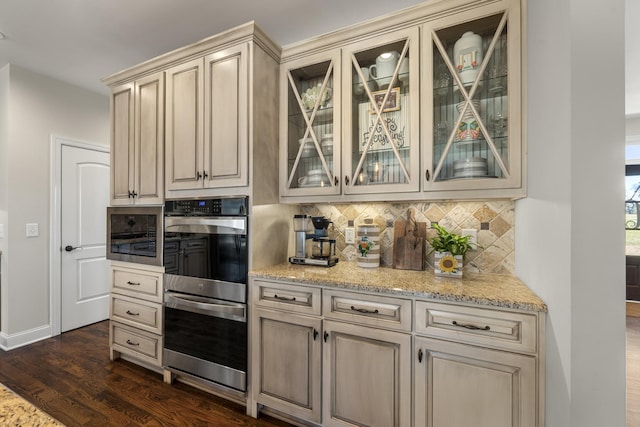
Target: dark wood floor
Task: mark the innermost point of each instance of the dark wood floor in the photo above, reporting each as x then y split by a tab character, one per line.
71	378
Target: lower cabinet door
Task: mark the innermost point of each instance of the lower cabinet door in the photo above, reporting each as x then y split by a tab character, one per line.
459	385
367	376
289	367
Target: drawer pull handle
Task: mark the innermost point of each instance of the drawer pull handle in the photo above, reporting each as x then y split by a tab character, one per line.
364	310
129	282
420	354
284	298
132	343
131	313
474	327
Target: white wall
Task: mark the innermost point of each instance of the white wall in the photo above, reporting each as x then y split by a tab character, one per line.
569	242
4	168
39	107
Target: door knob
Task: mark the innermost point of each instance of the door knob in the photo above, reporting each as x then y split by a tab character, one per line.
69	248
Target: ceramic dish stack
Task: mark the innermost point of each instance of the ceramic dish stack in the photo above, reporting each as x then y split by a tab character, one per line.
314	178
470	168
308	148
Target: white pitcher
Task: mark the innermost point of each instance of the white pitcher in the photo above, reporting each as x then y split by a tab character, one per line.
383	69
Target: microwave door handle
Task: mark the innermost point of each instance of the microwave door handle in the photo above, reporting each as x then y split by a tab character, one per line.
200	305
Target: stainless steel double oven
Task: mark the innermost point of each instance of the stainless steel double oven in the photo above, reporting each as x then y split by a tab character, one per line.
205	299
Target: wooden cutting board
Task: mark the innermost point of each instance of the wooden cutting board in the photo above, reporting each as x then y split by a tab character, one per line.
409	238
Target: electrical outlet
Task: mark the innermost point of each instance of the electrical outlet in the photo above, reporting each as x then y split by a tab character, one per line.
32	230
472	233
349	235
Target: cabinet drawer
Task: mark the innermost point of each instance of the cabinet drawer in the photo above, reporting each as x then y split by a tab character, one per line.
300	299
138	313
137	283
486	327
137	343
374	310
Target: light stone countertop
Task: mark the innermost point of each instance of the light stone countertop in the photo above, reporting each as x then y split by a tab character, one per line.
492	290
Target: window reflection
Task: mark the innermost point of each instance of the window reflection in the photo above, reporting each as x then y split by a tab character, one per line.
632	209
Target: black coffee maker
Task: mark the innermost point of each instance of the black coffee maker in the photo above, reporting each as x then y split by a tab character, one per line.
323	248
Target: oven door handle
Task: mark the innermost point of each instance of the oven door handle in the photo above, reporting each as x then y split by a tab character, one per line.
206	306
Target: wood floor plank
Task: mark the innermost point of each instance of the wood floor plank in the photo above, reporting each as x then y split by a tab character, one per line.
72	379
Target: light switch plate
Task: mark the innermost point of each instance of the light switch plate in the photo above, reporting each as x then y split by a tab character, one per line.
473	235
32	230
349	235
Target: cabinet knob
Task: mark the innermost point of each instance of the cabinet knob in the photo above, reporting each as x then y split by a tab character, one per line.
420	354
427	175
326	336
198	175
315	334
336	181
204	175
346	180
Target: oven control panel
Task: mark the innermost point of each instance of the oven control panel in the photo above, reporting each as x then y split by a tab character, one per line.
231	206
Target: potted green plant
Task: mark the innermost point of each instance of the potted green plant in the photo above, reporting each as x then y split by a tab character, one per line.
450	249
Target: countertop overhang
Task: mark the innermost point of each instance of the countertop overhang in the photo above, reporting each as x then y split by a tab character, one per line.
494	290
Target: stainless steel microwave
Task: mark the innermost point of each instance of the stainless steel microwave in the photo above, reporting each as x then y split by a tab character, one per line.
134	234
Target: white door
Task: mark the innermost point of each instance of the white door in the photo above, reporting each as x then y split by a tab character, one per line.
84	196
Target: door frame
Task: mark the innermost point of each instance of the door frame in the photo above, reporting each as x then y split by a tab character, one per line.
55	215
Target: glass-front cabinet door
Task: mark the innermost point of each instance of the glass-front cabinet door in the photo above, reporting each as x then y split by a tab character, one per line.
310	132
381	129
472	65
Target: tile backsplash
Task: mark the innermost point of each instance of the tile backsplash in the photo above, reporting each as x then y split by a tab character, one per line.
493	220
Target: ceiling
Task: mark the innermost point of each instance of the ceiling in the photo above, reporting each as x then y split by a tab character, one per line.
82	41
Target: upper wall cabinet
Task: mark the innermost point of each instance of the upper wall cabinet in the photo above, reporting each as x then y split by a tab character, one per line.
472	102
381	121
310	126
430	107
137	148
207	121
215	123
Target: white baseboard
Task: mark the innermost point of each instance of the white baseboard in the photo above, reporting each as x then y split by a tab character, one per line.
9	342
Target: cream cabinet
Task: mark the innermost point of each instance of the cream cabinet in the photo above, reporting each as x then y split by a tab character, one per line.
483	360
458	385
136	318
424	114
287	349
220	118
472	94
310	148
337	137
367	369
137	141
390	360
366	378
207	121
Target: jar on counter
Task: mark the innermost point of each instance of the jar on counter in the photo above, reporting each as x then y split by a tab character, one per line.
368	245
